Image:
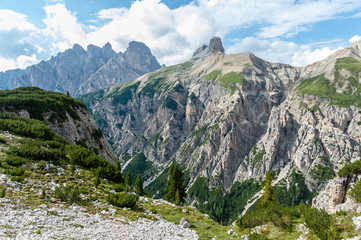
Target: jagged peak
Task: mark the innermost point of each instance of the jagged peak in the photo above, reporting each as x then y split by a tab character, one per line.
140	47
215	46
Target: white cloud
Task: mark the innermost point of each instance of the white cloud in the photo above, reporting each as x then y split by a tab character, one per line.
355	39
308	56
21	62
12	20
63	27
111	13
283	51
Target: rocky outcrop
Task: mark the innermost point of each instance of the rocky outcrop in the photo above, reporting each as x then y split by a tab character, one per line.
215	46
80	71
231	118
334	197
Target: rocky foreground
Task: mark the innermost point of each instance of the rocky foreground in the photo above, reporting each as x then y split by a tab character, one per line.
18	221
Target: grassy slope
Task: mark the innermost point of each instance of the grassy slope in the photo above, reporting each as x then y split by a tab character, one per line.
324	88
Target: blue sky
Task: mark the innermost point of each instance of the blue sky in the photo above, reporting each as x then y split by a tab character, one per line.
296	32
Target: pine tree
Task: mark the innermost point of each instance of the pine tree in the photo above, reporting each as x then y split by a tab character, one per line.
268	195
139	186
118	171
128	180
174	185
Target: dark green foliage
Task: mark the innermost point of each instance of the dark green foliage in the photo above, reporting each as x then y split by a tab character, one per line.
192	96
296	192
322	173
123	200
119	126
123	95
15	160
170	103
119	187
350	169
69	193
128	179
154	138
355	192
27	127
83	157
178	88
2	192
224	208
256	236
90	98
38	101
97	134
2	140
175	183
156	188
268	195
138	186
138	165
266	212
322	224
15	171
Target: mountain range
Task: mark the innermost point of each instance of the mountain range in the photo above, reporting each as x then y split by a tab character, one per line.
80	71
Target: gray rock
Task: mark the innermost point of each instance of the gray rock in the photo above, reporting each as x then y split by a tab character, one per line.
184	223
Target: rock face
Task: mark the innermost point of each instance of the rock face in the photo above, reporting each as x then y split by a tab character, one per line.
79	71
234	117
215	45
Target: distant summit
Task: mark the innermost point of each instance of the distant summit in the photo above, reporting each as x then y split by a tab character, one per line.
80	71
215	45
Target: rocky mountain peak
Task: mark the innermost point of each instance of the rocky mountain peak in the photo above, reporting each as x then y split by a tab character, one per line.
94	51
78	49
215	45
108	51
137	47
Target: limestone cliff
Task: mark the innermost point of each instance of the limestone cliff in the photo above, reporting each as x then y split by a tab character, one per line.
233	117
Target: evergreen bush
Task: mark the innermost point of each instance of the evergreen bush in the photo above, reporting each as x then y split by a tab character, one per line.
123	200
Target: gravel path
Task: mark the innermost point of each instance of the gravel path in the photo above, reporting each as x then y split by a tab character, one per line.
18	222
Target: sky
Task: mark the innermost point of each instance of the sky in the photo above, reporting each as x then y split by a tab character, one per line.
296	32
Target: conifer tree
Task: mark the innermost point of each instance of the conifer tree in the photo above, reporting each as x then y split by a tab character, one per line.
139	186
128	179
118	171
175	185
268	195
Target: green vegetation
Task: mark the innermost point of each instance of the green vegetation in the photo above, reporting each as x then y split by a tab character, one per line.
154	138
128	180
350	169
70	193
156	188
175	191
138	165
124	94
222	207
322	87
200	130
138	186
295	193
322	173
355	192
192	96
230	80
213	75
170	103
123	200
90	98
38	102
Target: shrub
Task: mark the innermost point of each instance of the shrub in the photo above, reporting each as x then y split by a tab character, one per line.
71	194
2	140
355	192
170	103
350	169
2	192
123	200
14	160
18	171
321	223
256	236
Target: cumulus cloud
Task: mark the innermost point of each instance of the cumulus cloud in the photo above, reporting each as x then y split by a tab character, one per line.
283	51
355	38
12	20
62	27
173	34
21	62
308	56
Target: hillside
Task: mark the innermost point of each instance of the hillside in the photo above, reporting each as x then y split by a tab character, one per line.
228	119
80	71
